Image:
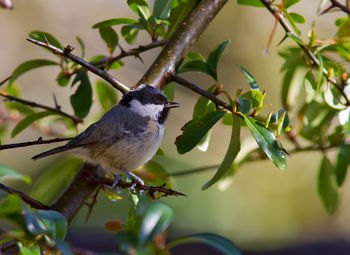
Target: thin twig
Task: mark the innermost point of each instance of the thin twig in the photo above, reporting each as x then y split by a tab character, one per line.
30	201
308	52
34	104
30	143
66	52
194	170
342	7
5	80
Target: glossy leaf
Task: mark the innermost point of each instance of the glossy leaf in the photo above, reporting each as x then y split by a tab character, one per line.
110	37
284	121
129	33
192	56
232	151
327	186
27	121
244	104
140	7
251	80
214	56
297	17
117	21
30	65
7	173
255	3
196	129
220	243
107	95
81	100
54	221
156	219
343	161
267	142
43	36
197	66
255	97
161	8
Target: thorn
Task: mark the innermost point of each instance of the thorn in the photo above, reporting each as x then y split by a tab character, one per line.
57	106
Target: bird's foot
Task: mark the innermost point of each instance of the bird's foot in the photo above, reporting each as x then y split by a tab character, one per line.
135	180
117	178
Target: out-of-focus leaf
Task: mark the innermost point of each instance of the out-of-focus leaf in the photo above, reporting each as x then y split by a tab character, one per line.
267	142
341	167
43	36
161	8
251	80
297	17
129	33
28	250
327	186
113	226
7	173
11	204
82	46
220	243
81	100
289	3
197	66
107	95
141	8
333	98
27	121
30	65
169	91
54	221
195	130
192	56
285	122
320	73
117	21
203	145
255	3
231	153
110	37
63	79
343	33
292	23
157	173
156	219
340	21
214	56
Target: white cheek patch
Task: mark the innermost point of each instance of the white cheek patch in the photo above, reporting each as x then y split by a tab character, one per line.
146	110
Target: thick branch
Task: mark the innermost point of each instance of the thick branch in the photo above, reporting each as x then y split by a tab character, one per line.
342	7
67	53
308	52
36	142
181	42
33	104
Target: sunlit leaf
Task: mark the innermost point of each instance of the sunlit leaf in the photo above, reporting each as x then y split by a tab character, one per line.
117	21
7	173
107	95
214	56
28	250
192	56
54	221
169	91
140	7
297	17
343	161
197	66
110	37
251	80
343	33
161	8
129	33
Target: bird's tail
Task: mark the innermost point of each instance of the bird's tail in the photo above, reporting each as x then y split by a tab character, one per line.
51	152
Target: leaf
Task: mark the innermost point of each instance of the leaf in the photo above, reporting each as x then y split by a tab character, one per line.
110	37
341	167
333	98
201	106
156	219
30	65
214	56
192	56
195	130
251	80
107	95
283	119
295	38
41	35
220	243
343	33
161	9
197	66
7	173
116	65
292	23
81	100
117	21
169	91
327	186
244	104
129	33
141	8
289	3
82	46
297	17
320	73
255	3
267	142
54	221
28	250
256	98
27	121
63	79
10	205
232	151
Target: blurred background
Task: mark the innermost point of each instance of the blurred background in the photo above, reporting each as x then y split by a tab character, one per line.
264	208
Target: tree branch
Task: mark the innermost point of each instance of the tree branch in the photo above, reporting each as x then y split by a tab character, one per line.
66	52
33	104
342	7
30	143
279	16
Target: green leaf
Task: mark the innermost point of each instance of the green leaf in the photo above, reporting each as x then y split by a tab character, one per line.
63	79
284	120
82	46
161	8
256	98
141	8
327	186
196	129
110	37
54	221
156	219
232	151
41	35
267	142
10	205
192	56
30	65
255	3
341	167
343	33
28	250
320	73
81	100
116	65
295	38
244	104
169	91
7	173
214	56
27	121
251	80
289	3
197	66
201	106
220	243
117	21
107	95
129	33
340	21
297	17
292	23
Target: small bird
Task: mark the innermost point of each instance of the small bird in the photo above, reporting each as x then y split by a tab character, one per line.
127	136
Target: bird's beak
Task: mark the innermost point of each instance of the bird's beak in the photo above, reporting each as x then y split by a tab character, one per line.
171	105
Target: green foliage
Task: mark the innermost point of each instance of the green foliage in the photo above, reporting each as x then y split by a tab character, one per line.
81	100
255	3
45	37
251	80
110	37
107	96
7	173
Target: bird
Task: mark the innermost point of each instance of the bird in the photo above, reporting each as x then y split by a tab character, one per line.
126	137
